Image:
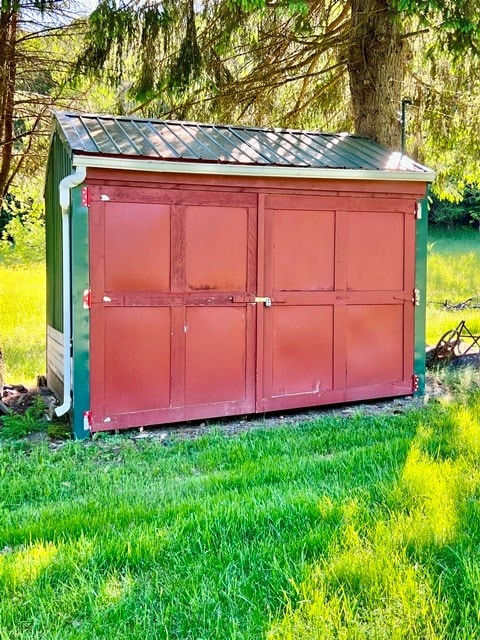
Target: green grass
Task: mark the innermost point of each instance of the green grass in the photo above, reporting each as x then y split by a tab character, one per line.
22	324
360	528
453	274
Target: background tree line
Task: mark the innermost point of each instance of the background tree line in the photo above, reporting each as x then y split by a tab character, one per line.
332	65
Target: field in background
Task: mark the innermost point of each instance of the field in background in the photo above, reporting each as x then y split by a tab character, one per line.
453	274
22	322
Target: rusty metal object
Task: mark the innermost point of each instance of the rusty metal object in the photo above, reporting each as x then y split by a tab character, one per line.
451	345
445	349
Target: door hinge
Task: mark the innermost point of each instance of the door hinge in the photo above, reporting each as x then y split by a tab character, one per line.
416	297
87	420
87	298
418	211
415	383
85	197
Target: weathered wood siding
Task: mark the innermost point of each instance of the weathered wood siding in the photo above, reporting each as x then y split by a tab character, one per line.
55	361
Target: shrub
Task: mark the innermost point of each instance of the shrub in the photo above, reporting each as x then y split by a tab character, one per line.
457	213
23	237
16	425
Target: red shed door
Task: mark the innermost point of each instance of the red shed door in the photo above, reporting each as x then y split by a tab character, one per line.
297	346
340	325
172	330
205	304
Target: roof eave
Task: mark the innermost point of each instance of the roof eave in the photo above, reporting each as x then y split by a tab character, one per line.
276	171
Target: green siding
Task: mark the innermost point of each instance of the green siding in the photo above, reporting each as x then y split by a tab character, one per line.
59	166
80	316
421	284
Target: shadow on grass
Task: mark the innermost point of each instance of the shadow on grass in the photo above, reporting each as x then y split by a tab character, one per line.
205	539
415	572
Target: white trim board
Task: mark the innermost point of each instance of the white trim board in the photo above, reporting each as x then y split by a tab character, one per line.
268	171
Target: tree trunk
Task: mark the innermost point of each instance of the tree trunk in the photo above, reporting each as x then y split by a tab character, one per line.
376	65
8	68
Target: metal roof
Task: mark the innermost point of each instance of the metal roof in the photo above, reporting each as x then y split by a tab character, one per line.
187	142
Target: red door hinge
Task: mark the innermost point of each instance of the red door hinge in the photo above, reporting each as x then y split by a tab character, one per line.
415	383
87	420
87	298
85	197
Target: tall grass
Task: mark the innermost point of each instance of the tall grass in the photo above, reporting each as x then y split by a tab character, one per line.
22	321
453	274
411	569
360	528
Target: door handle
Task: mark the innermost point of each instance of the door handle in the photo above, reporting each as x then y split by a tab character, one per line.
267	300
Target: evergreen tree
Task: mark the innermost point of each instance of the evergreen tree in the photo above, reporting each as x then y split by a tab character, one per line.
237	59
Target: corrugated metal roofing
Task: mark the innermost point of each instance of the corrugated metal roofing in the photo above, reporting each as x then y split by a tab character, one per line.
137	138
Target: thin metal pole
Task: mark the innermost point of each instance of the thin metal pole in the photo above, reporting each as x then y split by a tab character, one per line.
405	102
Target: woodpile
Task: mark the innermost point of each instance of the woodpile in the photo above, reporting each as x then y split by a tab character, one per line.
18	398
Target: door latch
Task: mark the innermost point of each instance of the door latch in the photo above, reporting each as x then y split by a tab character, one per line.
266	301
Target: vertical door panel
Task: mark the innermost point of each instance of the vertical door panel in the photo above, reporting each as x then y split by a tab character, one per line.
137	359
297	334
375	343
216	349
375	251
137	246
303	250
302	349
216	248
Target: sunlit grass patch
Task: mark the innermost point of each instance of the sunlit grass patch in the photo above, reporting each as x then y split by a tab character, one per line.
114	589
22	322
453	274
414	572
428	493
24	566
364	591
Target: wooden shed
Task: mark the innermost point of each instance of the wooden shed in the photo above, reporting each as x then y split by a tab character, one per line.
198	271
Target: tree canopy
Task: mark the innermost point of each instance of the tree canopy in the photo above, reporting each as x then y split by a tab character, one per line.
39	42
323	64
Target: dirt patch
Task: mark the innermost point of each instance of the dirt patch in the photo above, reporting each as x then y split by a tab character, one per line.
230	427
17	398
436	388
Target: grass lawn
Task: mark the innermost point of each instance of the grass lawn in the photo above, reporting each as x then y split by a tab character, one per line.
22	322
352	529
359	528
